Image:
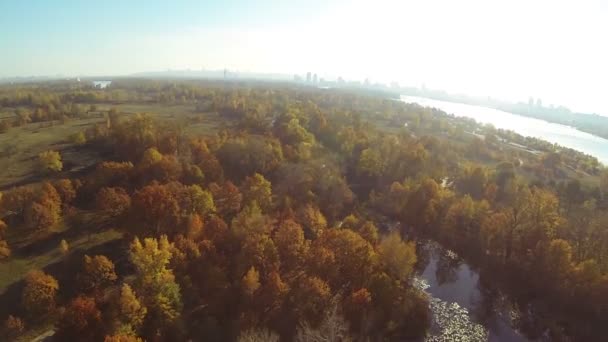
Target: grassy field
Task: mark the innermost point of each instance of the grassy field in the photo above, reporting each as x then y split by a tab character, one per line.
19	149
20	146
210	122
16	267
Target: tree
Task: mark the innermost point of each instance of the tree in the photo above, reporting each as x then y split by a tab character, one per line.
113	202
5	125
258	335
352	259
473	181
194	230
396	256
156	207
154	281
38	296
64	247
23	117
251	281
41	216
131	312
551	160
228	199
463	220
65	189
333	327
78	139
50	161
199	201
13	327
369	232
557	263
311	298
97	273
250	222
259	189
81	321
291	245
122	338
192	174
370	163
5	251
312	220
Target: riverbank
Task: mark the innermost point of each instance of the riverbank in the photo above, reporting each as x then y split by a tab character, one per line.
591	123
561	135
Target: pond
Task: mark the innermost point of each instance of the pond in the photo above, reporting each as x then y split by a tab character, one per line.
462	308
101	84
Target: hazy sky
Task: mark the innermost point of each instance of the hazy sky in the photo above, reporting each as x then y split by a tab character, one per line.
511	49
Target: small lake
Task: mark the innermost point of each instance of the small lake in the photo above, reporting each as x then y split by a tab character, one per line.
462	308
555	133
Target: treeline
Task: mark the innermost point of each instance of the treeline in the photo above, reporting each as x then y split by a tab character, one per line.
270	230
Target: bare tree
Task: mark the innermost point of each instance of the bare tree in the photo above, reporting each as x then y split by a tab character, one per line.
258	335
333	328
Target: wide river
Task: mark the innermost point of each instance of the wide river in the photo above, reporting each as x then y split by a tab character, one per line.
555	133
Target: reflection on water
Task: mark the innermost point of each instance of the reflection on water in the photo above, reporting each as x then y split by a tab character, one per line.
555	133
101	84
451	322
463	309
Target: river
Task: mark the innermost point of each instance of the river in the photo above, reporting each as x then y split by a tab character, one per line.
555	133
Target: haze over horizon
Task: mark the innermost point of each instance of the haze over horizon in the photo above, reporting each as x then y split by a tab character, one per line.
551	50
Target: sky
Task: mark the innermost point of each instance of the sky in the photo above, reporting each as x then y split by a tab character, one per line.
550	49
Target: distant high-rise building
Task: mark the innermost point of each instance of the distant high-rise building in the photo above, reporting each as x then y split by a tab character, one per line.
297	78
366	82
539	102
308	76
314	78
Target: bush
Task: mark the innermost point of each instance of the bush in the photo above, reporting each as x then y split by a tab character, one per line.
78	138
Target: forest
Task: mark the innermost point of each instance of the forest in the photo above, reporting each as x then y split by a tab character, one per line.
177	210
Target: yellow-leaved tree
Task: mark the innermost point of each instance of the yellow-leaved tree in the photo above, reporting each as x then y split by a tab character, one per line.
155	282
50	161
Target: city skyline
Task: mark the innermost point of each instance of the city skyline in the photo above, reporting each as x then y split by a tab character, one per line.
547	49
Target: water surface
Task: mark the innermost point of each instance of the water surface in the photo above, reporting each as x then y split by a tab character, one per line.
101	84
462	309
555	133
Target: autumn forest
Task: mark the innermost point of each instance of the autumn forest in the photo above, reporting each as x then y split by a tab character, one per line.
182	210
